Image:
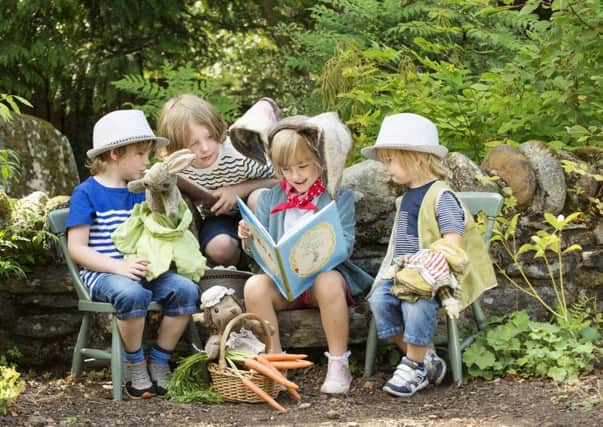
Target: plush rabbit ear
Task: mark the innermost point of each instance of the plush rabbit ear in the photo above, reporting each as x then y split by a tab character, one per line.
249	133
136	186
179	160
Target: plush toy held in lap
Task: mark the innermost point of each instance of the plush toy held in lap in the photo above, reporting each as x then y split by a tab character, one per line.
158	229
430	273
220	306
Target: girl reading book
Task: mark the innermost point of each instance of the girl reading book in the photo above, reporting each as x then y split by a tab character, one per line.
297	150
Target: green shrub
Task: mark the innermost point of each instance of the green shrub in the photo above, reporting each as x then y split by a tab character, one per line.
560	350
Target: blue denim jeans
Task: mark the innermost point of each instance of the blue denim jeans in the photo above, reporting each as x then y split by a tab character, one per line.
176	294
392	316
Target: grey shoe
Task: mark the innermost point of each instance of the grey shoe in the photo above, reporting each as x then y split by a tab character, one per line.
407	379
436	367
160	375
138	383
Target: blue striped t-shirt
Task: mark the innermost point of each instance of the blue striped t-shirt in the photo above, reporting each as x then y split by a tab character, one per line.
450	217
103	209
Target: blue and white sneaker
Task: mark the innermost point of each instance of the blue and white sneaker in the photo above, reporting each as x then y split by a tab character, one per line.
435	366
408	378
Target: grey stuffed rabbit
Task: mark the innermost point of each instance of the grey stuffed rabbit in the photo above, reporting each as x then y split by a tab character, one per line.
160	183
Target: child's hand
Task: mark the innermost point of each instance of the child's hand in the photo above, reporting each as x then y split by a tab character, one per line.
227	200
134	268
243	230
243	233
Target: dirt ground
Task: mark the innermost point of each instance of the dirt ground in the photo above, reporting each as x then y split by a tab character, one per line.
51	401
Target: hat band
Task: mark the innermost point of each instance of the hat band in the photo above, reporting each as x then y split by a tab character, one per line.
128	139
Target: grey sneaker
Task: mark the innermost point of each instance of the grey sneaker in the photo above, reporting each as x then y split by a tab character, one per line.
436	367
407	379
138	383
160	375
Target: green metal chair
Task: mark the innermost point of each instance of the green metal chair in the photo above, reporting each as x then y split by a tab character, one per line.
81	353
490	204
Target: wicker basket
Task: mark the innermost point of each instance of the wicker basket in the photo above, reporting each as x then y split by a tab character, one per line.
234	279
226	382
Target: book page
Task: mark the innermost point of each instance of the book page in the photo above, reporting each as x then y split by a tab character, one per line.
315	243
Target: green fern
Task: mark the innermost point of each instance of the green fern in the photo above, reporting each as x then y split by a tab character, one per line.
174	81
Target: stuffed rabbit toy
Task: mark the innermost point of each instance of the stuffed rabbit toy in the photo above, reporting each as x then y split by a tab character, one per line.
160	180
158	229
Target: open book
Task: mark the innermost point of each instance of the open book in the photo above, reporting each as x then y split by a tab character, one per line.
313	245
196	192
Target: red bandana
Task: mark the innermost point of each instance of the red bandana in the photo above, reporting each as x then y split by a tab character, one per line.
300	201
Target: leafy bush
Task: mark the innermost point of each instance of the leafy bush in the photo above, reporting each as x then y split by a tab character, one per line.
560	350
23	239
170	81
10	387
484	73
10	384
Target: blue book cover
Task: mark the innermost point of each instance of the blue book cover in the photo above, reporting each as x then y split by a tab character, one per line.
315	244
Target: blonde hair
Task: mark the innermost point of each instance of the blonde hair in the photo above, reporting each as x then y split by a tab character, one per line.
421	165
288	147
99	163
179	113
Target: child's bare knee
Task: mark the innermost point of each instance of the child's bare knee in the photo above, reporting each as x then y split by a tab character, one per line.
223	250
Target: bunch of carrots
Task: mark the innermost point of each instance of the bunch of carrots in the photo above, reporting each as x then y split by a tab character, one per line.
270	365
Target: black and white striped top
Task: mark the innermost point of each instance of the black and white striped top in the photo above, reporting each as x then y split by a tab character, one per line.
450	217
230	168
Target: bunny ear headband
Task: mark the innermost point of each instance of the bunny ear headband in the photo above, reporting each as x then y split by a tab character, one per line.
249	134
329	137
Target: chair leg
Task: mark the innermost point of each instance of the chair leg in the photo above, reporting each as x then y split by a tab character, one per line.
77	361
371	349
116	360
454	352
478	314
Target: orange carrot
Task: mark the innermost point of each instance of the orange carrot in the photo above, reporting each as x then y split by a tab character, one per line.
283	356
261	393
291	364
292	390
294	393
269	373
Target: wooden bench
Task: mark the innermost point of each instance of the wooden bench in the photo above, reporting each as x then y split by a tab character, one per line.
302	328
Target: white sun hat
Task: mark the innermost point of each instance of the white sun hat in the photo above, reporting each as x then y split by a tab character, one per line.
119	128
406	131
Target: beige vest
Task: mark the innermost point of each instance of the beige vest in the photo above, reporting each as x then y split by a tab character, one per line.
479	275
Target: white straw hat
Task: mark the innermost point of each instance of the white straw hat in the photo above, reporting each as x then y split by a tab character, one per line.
119	128
407	131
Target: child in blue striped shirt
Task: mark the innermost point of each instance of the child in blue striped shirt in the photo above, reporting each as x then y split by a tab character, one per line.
409	149
122	143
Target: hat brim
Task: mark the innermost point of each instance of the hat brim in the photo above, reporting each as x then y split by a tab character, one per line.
159	142
371	152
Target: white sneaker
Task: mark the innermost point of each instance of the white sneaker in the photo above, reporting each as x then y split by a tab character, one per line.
338	379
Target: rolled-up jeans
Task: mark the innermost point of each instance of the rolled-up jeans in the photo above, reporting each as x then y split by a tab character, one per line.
393	316
177	295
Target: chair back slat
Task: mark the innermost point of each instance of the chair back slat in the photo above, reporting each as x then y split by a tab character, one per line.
489	203
57	221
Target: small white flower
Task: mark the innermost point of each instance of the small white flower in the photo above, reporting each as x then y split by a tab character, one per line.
560	218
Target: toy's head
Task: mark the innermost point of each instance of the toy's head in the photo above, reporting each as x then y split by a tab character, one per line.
220	306
160	183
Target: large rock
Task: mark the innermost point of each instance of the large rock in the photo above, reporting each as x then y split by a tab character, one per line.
465	175
550	196
514	169
47	159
